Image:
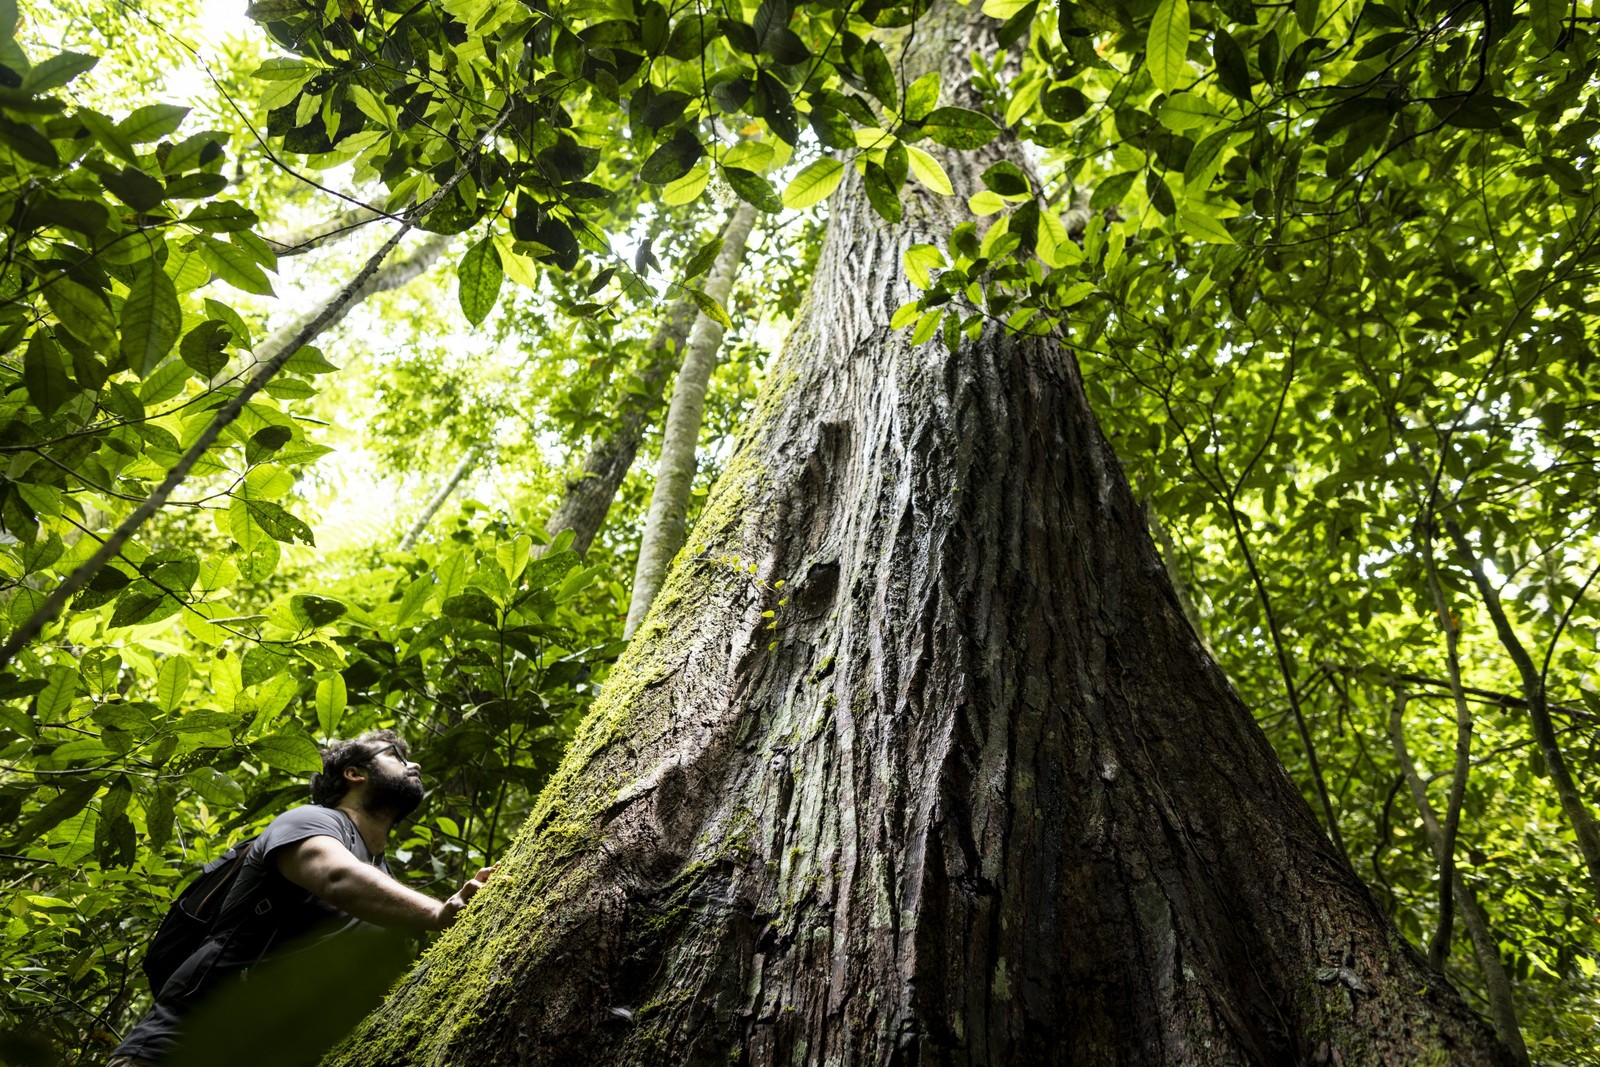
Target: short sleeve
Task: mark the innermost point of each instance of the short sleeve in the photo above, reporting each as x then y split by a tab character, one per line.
300	823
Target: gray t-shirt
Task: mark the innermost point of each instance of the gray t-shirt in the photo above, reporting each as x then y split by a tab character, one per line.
263	914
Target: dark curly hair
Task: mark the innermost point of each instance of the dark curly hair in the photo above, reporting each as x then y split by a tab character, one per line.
329	787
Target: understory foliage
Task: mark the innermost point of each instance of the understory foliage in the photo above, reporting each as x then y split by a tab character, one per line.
1329	268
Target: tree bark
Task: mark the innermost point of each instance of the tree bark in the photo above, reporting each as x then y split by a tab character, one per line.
326	232
973	795
457	476
588	497
664	528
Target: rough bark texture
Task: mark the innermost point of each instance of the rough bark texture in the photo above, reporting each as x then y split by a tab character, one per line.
975	794
664	527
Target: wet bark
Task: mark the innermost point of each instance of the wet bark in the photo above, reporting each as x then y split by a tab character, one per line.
665	523
974	794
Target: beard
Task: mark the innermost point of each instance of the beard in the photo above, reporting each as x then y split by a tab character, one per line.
394	795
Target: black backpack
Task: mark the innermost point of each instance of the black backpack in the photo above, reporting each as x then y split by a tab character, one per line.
193	915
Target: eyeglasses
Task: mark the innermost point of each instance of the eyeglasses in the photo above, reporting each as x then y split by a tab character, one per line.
390	747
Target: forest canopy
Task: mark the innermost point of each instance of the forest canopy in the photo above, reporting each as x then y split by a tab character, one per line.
365	365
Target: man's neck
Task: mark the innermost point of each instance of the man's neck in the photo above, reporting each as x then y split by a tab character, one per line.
374	829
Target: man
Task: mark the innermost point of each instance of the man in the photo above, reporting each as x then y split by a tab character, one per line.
316	872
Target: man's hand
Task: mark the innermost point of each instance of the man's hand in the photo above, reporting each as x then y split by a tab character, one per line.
450	909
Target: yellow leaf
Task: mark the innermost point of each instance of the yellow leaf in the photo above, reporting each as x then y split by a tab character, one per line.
928	171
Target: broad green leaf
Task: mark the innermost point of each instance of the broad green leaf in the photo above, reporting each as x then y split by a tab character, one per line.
292	752
1186	111
151	123
919	260
278	523
922	96
479	276
57	71
1003	9
332	696
674	159
173	682
814	184
1167	46
44	375
83	313
1546	18
56	697
927	170
1198	224
234	265
415	596
959	127
684	190
217	788
753	189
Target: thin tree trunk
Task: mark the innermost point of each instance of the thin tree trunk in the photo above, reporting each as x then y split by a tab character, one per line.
1439	945
1533	691
393	276
588	497
1502	1006
664	527
457	476
972	795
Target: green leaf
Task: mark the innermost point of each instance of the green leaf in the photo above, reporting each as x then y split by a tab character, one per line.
1233	70
316	611
278	523
142	602
479	277
57	71
151	318
927	170
204	347
332	697
165	383
1185	111
44	375
920	260
55	699
708	306
922	96
292	752
702	259
753	189
172	682
1545	17
83	312
686	189
814	184
674	159
879	74
1308	13
217	788
1167	46
882	194
1198	224
233	265
151	123
959	127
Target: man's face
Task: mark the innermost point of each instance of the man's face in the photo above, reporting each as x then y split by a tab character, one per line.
394	787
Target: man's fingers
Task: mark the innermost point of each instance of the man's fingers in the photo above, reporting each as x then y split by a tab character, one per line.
484	874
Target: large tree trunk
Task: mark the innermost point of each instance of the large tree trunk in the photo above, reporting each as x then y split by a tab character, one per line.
975	794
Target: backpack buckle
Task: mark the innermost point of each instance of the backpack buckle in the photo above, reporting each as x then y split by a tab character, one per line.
263	906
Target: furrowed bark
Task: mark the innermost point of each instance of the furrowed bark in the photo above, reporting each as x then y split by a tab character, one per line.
457	476
664	528
1502	1007
1533	691
973	795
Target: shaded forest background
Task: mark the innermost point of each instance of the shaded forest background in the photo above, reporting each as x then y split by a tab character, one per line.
1329	271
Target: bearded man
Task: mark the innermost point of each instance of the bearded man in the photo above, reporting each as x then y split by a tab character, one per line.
316	872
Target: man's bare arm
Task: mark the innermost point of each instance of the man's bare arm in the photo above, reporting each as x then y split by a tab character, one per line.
324	867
